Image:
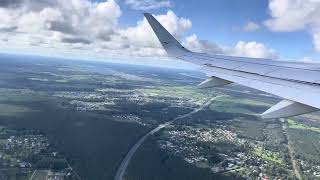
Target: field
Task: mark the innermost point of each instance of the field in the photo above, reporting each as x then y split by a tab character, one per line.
268	155
295	125
239	105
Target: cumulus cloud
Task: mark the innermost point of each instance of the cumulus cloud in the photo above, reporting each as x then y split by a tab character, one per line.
142	35
316	40
252	49
88	26
289	16
195	44
251	26
243	49
84	24
9	3
148	4
73	19
248	27
75	40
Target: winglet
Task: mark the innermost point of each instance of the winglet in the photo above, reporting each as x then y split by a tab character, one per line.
169	43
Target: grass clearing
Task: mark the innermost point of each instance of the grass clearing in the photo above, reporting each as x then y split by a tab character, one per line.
268	155
295	125
20	96
10	110
175	92
238	105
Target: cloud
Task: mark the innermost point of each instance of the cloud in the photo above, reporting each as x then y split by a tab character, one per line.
148	4
83	24
142	35
8	29
306	59
243	49
9	3
248	27
252	49
92	27
77	17
251	26
75	40
290	16
193	43
316	40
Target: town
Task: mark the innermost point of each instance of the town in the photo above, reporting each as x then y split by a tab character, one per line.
27	153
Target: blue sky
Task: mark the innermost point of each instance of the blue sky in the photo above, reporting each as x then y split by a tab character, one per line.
115	29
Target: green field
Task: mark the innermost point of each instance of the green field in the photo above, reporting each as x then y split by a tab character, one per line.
175	91
10	110
238	105
268	155
295	125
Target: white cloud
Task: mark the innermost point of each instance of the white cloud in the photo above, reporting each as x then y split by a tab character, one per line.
306	59
251	26
252	49
244	49
193	43
83	24
142	35
74	20
316	40
92	28
148	4
289	16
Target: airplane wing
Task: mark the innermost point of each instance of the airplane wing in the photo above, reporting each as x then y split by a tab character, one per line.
298	83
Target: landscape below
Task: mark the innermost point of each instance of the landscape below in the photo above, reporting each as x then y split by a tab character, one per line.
69	119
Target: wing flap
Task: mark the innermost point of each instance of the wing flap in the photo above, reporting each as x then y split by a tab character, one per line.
287	108
213	82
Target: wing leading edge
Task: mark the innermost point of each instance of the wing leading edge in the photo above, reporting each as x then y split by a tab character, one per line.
298	83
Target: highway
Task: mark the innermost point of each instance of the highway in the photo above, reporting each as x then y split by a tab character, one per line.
125	162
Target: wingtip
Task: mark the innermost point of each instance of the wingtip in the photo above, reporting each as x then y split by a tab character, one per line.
147	14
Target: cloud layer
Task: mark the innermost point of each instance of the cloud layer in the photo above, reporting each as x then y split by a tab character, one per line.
94	27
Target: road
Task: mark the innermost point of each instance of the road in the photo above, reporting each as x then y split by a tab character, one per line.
34	172
125	162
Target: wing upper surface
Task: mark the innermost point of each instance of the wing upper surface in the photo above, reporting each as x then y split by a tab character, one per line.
297	82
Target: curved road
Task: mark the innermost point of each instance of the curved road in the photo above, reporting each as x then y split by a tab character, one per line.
125	162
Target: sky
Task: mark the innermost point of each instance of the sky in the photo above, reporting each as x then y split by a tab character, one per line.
116	29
